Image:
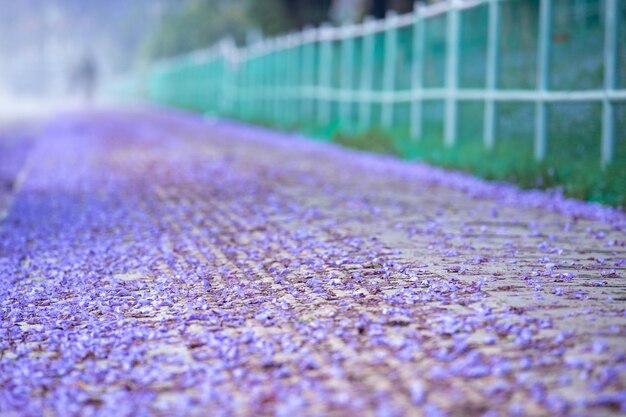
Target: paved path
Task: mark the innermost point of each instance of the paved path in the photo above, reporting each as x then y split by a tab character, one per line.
161	264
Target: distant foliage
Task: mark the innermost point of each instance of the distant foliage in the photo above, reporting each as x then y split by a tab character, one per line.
202	23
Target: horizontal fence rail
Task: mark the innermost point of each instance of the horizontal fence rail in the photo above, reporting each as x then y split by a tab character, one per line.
422	71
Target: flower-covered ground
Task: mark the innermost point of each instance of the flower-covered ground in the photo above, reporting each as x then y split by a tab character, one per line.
160	264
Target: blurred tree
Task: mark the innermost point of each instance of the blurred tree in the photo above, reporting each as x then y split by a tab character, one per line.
198	24
305	12
201	23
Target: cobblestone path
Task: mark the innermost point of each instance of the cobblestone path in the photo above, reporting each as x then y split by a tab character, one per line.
160	264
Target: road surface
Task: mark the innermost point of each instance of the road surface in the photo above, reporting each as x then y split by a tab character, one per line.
156	263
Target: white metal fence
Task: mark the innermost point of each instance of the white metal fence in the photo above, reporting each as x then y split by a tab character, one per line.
239	83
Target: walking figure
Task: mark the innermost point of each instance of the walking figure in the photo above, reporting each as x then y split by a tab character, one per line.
85	77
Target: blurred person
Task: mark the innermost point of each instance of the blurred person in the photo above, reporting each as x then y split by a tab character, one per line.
85	77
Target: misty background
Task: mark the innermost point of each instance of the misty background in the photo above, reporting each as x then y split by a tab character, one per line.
42	42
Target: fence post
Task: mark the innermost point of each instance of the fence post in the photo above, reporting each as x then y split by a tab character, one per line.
308	71
347	57
389	70
269	74
296	96
243	93
284	78
611	20
292	69
417	73
543	77
491	82
452	73
285	81
367	74
269	82
272	82
282	73
228	70
255	87
325	73
263	82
